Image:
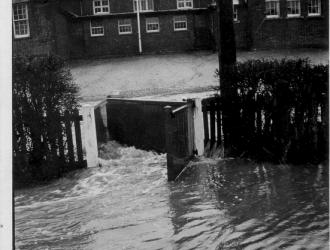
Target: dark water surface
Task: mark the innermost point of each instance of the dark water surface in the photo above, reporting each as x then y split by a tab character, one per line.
224	204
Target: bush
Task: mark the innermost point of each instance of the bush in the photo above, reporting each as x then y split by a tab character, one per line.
43	90
283	107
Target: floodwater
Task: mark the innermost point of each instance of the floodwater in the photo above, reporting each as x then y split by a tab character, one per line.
216	204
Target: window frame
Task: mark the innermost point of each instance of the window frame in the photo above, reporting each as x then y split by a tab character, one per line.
277	8
287	8
26	19
184	4
319	7
96	27
152	23
125	25
185	21
101	7
147	5
235	12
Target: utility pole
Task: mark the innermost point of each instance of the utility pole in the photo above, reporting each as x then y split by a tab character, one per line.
227	61
138	24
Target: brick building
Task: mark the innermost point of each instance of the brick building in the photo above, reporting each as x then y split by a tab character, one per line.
98	28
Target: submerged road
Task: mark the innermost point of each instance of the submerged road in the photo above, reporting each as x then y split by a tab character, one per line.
128	204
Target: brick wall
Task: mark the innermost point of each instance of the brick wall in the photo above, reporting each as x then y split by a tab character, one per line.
120	6
113	43
52	31
284	32
41	40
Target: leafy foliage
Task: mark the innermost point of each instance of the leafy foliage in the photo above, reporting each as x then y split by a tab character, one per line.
283	107
43	90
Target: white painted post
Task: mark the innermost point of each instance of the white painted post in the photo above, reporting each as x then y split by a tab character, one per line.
199	126
89	134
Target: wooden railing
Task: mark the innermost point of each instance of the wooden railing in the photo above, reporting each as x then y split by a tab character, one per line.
212	118
51	150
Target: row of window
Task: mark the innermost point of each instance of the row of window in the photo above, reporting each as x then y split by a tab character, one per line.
21	18
101	7
125	25
293	8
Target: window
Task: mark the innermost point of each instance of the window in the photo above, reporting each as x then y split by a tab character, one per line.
96	28
152	24
184	4
101	7
145	5
272	8
180	23
235	12
293	8
21	20
314	7
125	26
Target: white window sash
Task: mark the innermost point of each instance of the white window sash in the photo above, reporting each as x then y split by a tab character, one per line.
124	25
96	27
20	20
318	5
185	5
296	4
152	23
149	5
180	21
235	13
276	8
101	7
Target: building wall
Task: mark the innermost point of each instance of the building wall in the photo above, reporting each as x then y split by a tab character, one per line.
41	39
113	43
63	27
124	6
284	32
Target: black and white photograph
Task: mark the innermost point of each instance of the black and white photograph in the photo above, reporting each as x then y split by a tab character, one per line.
165	124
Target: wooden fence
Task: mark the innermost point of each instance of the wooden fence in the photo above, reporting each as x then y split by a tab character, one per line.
271	128
48	151
211	108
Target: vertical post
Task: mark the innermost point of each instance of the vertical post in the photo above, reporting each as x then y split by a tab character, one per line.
138	24
105	118
168	143
60	141
218	111
198	126
89	133
69	136
77	119
206	122
212	123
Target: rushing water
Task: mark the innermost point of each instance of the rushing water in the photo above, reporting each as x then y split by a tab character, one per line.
128	204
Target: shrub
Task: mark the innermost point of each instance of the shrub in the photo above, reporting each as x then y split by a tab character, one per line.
283	107
42	90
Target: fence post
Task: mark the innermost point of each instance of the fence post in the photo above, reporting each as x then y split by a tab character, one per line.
168	144
198	126
89	133
77	119
69	136
205	122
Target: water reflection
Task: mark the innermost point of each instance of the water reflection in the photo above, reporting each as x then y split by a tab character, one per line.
128	204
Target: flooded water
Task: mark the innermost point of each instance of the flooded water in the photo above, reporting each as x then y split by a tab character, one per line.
128	204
